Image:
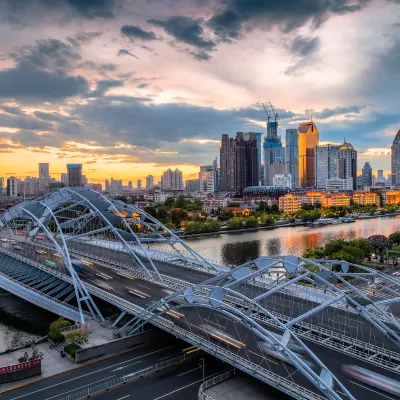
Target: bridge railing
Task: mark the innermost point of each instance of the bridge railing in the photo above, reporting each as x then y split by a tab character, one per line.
212	382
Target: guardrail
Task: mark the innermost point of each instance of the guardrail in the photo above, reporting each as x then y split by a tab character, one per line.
212	382
112	383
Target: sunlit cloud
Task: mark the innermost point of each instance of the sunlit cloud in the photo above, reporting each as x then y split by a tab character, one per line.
376	152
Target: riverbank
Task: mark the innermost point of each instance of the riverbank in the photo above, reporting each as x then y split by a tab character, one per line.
261	227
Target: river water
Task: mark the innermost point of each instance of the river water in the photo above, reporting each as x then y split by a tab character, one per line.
238	248
21	321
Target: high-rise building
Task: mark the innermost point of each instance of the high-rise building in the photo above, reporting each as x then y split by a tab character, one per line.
44	171
172	180
149	182
347	163
130	185
64	179
216	175
308	140
367	174
74	172
396	160
206	177
139	184
292	155
258	136
325	164
192	186
380	178
12	186
239	163
107	185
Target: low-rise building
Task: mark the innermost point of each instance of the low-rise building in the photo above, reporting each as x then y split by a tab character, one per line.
338	184
366	198
393	197
336	200
290	203
214	203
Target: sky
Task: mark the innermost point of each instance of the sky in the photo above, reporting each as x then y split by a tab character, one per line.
132	87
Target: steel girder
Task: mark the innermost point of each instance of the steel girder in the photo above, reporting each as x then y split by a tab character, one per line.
214	301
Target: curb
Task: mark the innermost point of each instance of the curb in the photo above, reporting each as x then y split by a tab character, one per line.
72	369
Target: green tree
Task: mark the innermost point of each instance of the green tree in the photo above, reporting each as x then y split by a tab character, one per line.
251	222
180	202
177	216
77	337
314	253
234	204
235	223
364	245
395	238
170	202
275	209
334	246
54	330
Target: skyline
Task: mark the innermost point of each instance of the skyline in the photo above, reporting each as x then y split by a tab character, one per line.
114	85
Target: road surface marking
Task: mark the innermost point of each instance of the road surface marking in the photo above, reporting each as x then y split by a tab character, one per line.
365	387
117	369
91	373
124	397
173	355
81	387
184	373
263	356
190	384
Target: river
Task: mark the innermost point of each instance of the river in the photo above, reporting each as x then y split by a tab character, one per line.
21	321
238	248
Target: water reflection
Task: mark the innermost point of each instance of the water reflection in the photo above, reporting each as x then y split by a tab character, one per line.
239	248
240	253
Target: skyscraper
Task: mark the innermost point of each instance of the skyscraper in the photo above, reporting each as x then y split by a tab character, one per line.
258	137
44	171
239	163
139	184
308	140
216	175
274	153
172	180
292	155
367	174
149	182
206	178
326	164
347	163
12	186
74	172
380	178
396	160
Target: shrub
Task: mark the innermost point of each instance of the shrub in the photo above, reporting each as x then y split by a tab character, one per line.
71	349
251	222
77	337
54	330
235	223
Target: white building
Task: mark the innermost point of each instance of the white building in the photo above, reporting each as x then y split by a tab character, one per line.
12	186
149	182
337	184
172	180
139	184
214	203
206	178
283	180
44	170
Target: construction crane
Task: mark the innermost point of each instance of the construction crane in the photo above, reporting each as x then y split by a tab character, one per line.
272	108
266	112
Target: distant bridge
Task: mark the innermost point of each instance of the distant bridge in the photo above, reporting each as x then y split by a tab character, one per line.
288	321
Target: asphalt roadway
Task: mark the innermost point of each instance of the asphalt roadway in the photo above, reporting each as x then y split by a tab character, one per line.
143	293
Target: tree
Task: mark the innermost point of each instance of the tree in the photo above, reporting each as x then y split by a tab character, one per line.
379	242
235	223
395	238
364	245
314	253
180	202
234	204
177	216
77	337
275	209
170	202
251	222
54	330
334	246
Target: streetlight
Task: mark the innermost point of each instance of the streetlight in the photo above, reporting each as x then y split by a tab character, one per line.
203	367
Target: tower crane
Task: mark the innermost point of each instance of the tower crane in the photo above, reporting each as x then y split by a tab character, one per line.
272	108
266	112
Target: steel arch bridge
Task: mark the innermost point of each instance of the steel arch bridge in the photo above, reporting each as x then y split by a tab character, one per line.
287	320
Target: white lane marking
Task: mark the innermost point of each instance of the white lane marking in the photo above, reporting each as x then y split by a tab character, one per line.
263	356
117	369
124	397
365	387
173	355
81	387
190	384
91	373
184	373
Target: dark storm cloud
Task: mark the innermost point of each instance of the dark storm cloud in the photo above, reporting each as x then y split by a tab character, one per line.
47	53
135	32
94	8
103	86
304	46
238	15
124	52
186	30
24	122
330	112
53	117
28	83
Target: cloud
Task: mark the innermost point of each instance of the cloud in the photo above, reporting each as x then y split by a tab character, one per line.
103	87
24	122
135	32
12	110
29	83
376	152
235	17
302	46
330	112
186	30
124	52
94	8
53	117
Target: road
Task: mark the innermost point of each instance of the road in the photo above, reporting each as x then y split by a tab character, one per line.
56	387
143	293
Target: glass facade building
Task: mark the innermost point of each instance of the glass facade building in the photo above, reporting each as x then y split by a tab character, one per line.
325	164
292	155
